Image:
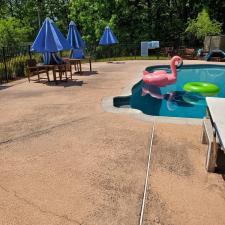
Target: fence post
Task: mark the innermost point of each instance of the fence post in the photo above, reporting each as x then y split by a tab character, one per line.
29	52
157	53
5	66
135	52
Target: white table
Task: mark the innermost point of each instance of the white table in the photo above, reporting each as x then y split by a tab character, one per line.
216	109
214	130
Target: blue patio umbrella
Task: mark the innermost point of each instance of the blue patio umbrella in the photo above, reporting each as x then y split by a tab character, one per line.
74	37
52	58
50	39
108	38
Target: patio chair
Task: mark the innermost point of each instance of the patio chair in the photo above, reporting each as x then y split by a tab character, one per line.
60	65
79	55
62	69
167	51
34	69
189	53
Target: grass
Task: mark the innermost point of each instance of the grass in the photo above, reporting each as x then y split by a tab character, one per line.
16	65
153	57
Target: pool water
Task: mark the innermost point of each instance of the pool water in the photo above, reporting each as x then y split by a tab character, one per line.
172	100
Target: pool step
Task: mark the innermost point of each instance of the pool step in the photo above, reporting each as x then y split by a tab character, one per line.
121	101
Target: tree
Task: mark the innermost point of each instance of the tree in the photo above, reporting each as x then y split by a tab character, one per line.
203	26
12	32
91	17
131	20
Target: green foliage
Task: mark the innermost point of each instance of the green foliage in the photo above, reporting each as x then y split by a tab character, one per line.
203	25
131	20
91	17
12	32
15	67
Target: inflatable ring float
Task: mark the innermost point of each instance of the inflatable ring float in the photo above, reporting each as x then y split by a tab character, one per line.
203	88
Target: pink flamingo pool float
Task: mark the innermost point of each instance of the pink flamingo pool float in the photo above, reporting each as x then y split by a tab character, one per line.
161	78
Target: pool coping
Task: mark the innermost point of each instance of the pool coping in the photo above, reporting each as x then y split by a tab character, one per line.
107	104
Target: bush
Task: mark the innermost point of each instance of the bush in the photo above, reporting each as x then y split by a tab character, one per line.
13	32
203	26
19	69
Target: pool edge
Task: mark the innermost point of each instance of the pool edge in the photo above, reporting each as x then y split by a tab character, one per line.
107	103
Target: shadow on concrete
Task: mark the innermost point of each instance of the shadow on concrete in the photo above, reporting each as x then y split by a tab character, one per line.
63	83
86	73
116	62
220	169
4	87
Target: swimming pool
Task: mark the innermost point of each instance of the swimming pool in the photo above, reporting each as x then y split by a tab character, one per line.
172	100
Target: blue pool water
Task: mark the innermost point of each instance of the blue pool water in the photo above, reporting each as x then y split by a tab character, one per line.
175	101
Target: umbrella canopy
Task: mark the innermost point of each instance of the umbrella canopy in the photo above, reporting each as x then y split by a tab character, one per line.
74	37
108	38
50	39
77	54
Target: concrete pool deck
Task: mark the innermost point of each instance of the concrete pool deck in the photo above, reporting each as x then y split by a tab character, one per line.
65	160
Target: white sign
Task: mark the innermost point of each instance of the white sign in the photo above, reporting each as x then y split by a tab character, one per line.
145	45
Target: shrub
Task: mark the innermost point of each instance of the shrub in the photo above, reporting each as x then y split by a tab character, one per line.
203	26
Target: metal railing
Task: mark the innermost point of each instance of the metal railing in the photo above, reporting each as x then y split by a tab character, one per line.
12	62
13	59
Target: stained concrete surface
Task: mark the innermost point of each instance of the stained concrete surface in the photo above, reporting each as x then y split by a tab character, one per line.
181	192
64	160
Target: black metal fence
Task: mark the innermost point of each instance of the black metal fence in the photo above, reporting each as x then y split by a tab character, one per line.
12	62
13	59
118	50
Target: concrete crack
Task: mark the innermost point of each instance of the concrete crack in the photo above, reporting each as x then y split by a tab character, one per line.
41	132
65	217
4	189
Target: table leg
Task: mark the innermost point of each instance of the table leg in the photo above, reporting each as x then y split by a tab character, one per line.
54	75
90	64
65	72
75	66
80	67
71	72
212	155
48	75
38	75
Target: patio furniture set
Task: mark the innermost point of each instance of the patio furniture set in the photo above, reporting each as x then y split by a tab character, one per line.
34	68
185	53
191	53
49	42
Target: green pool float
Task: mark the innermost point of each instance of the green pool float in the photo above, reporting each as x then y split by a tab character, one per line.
203	88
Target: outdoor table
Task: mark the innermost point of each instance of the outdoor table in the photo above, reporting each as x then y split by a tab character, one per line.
77	63
215	111
216	108
50	68
54	69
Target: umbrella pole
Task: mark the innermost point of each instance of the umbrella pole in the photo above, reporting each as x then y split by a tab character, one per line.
108	58
109	54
